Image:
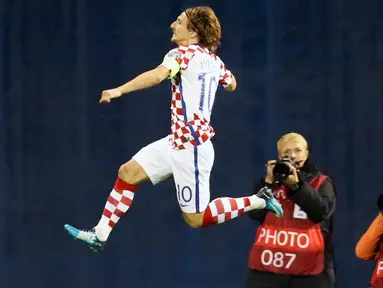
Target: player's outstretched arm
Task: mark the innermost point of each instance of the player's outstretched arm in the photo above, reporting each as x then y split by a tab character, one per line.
145	80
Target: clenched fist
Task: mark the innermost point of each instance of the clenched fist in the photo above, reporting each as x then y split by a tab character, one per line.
108	95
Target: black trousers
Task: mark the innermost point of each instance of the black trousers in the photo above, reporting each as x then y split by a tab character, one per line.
258	279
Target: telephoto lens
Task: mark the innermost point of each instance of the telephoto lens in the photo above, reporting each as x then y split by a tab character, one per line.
282	169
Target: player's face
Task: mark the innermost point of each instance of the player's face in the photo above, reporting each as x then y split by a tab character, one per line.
294	149
181	34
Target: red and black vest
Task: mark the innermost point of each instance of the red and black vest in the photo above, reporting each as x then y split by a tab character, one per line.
377	277
292	244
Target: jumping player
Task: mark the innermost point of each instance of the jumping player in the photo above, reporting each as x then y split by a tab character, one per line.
187	153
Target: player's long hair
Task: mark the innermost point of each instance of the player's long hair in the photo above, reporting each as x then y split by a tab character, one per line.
203	20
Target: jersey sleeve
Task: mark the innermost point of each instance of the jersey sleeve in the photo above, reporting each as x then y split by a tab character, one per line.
177	59
225	76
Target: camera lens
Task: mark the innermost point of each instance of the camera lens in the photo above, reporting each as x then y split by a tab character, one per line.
281	169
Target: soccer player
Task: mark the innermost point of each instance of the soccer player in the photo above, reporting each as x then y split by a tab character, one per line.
187	153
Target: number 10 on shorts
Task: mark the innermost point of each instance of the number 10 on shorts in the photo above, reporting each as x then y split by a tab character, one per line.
277	259
184	194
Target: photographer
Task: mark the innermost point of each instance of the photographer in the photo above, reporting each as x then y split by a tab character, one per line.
370	246
295	250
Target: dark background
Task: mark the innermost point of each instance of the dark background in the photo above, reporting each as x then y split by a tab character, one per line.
313	67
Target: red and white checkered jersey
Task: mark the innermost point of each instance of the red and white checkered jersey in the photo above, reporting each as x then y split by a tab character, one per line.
193	93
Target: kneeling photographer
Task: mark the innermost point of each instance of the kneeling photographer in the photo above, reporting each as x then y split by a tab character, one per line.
370	246
294	250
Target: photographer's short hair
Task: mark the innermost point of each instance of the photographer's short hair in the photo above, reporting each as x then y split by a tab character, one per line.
289	137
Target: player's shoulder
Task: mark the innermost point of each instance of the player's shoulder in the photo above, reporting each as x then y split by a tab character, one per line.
174	53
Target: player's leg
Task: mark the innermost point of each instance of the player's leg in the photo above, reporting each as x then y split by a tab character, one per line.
149	163
191	171
223	209
121	197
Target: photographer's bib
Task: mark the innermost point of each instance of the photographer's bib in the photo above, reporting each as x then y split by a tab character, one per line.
377	277
290	245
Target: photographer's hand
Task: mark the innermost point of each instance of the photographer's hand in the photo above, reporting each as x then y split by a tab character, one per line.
293	179
269	176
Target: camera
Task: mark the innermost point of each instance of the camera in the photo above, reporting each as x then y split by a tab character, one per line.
282	169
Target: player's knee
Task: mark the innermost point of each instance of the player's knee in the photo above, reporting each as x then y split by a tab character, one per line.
130	173
194	220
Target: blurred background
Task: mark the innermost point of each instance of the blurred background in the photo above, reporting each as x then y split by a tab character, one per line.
312	67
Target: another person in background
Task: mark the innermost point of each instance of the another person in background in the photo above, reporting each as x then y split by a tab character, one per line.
294	250
370	246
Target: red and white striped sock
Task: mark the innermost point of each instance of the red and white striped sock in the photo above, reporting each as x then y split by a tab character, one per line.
224	209
116	206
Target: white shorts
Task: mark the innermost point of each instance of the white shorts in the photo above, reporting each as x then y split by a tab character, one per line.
190	168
